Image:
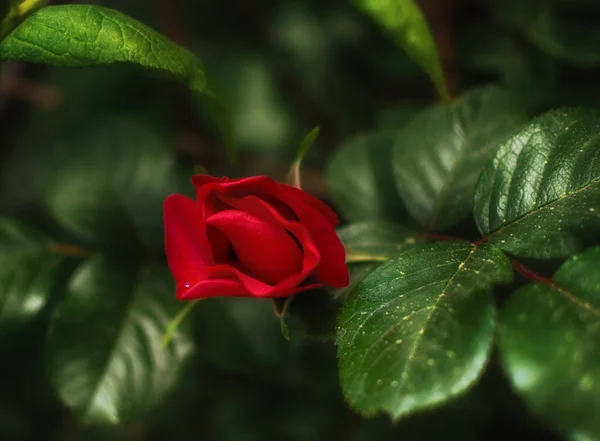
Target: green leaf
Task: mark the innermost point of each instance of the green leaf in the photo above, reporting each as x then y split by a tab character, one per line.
367	244
550	345
375	240
418	330
104	354
15	13
361	180
177	320
539	196
106	183
29	268
86	35
438	157
405	22
293	177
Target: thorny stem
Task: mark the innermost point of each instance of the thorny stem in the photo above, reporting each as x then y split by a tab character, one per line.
528	273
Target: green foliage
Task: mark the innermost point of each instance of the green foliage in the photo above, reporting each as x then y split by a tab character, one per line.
29	269
405	22
375	240
437	203
293	177
361	180
550	345
261	120
86	35
13	12
110	192
418	330
438	157
104	356
539	195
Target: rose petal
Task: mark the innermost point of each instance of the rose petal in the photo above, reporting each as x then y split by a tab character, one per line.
294	194
315	215
211	288
200	180
262	186
220	245
267	251
255	288
263	210
186	245
333	270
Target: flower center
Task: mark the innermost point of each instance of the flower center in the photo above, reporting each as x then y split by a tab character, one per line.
263	250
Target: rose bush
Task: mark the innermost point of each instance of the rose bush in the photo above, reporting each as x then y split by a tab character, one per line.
251	237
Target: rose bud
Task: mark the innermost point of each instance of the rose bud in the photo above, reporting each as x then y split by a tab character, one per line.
251	237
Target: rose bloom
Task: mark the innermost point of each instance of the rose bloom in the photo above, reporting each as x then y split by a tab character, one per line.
251	237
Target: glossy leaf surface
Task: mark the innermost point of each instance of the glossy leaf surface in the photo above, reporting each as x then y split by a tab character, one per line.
87	35
539	196
418	330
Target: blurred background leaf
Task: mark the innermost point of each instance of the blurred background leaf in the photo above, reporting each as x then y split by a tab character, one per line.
549	341
441	151
104	356
30	270
361	181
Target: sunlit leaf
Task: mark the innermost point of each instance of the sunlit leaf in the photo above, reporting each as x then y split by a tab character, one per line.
89	35
404	21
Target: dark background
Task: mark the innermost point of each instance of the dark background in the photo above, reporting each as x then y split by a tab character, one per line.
282	67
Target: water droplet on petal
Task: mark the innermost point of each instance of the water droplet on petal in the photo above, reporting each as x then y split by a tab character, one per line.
187	284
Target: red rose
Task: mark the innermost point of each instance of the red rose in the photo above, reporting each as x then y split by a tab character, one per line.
251	237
